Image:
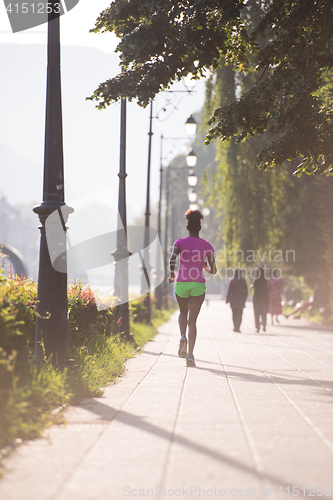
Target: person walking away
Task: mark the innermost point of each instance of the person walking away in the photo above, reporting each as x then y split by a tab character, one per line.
196	255
274	295
260	299
236	297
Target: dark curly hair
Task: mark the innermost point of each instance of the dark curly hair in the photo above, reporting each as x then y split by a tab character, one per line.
193	218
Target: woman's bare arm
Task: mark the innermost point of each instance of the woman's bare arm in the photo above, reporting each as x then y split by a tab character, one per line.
172	263
211	267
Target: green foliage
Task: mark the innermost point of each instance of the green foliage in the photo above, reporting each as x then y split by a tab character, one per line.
7	367
288	42
18	298
286	100
247	200
163	41
269	209
143	332
27	399
99	362
85	321
82	306
137	309
28	392
325	226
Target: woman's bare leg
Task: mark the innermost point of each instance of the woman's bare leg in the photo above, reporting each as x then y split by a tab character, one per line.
183	304
194	309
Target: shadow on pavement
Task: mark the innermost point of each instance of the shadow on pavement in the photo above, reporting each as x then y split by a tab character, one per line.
265	380
109	413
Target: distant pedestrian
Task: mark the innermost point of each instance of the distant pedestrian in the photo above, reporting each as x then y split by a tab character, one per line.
236	297
196	255
275	288
260	299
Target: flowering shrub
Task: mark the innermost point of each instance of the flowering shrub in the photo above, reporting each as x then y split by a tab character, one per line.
85	321
138	309
18	300
7	367
81	303
18	303
29	391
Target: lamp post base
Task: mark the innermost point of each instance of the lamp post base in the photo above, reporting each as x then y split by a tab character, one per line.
51	333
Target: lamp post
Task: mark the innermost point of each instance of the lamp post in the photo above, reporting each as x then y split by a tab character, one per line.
146	264
192	179
191	125
159	288
192	196
175	211
167	174
121	254
51	322
190	129
191	159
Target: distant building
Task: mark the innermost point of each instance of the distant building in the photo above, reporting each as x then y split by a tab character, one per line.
19	229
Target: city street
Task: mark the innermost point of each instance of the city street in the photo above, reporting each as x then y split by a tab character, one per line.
253	419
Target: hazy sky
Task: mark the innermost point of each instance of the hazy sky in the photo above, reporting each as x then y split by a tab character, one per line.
82	16
91	137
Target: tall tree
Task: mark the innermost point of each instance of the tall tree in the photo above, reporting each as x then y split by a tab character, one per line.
292	45
248	200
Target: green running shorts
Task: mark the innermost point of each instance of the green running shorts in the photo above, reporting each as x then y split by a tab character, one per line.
186	289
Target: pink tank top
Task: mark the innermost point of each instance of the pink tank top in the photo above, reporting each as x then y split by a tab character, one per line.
193	254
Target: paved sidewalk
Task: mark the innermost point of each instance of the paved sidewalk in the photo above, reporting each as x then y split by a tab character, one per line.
252	420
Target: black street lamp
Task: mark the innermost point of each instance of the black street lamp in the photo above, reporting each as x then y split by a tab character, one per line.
166	284
159	288
121	254
192	196
190	129
171	212
192	179
191	159
52	308
190	126
145	263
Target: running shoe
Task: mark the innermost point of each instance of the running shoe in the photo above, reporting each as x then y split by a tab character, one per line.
190	360
182	351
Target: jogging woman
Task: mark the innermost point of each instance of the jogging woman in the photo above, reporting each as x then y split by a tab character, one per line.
195	255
